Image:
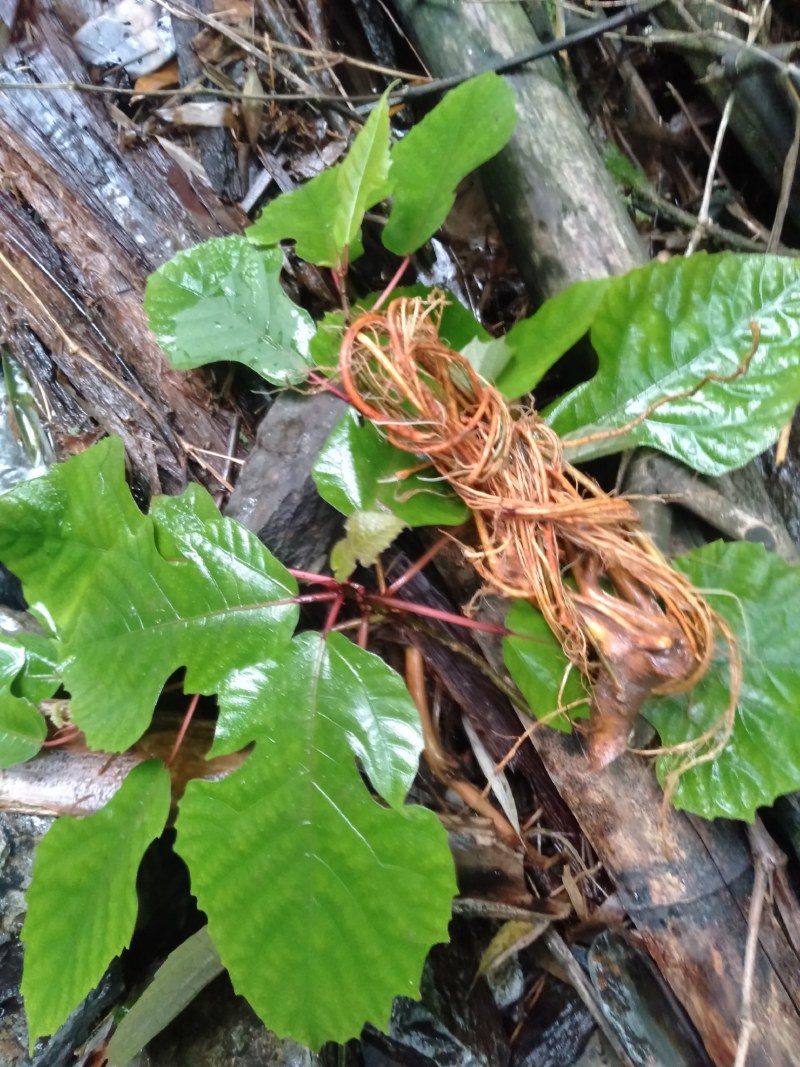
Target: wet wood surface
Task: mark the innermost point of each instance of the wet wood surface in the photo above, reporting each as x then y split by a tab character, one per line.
85	216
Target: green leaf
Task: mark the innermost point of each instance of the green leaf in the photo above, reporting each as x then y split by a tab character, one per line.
324	216
223	300
309	883
27	674
22	726
540	669
82	899
41	672
185	972
488	358
534	344
131	617
327	341
660	330
368	534
357	469
757	593
55	530
469	126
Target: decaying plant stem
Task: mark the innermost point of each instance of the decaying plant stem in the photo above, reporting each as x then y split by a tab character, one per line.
631	624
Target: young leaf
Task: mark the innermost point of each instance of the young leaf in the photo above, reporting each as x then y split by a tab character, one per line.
357	469
469	126
186	971
368	534
539	668
223	300
324	216
757	593
82	900
534	344
131	616
22	681
342	895
22	726
661	330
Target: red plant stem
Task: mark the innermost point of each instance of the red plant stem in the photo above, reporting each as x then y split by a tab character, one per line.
436	613
187	719
326	384
390	288
363	632
418	565
309	576
333	614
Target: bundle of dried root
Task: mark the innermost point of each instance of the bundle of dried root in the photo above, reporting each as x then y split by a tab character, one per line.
629	623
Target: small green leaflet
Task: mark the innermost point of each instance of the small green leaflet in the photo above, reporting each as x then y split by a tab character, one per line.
27	674
368	533
321	902
470	125
132	615
660	330
757	593
540	670
223	300
324	216
82	900
357	469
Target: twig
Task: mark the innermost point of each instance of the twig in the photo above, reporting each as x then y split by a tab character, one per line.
703	218
767	858
635	13
646	198
787	178
580	983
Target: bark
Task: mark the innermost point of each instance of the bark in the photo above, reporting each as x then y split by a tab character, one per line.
83	221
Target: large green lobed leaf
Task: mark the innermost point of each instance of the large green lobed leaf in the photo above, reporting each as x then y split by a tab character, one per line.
757	593
470	125
136	597
223	300
82	900
321	901
324	216
660	330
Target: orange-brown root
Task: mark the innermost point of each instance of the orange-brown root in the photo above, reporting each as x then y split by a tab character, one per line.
546	532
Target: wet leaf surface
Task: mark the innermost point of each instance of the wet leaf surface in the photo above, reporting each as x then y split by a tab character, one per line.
356	890
223	300
757	593
82	901
324	216
660	330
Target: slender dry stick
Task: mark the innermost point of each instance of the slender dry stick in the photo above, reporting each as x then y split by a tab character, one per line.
703	215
